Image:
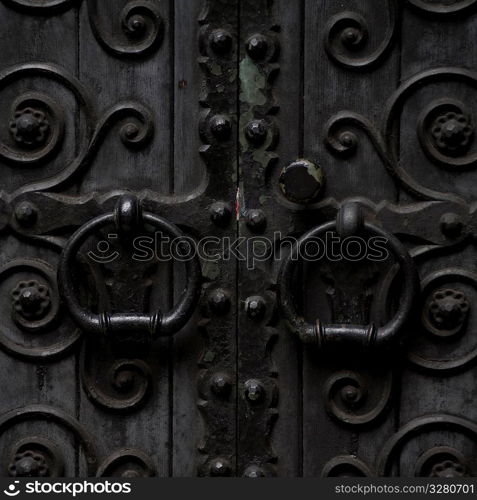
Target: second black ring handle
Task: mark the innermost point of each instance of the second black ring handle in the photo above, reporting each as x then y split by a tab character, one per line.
349	220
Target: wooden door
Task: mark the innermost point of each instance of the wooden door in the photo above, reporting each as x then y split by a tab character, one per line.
255	128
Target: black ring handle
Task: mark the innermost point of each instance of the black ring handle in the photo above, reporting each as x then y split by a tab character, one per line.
128	216
357	336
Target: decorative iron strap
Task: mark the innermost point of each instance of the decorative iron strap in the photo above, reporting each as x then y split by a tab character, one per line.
217	379
258	136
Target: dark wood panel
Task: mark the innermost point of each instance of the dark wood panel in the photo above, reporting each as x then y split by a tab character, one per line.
286	436
438	42
146	79
331	88
36	378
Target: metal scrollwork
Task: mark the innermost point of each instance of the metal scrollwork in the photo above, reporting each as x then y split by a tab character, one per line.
36	457
356	399
441	461
39	456
442	7
437	462
45	6
346	466
35	309
140	20
36	125
141	23
444	318
124	386
347	33
346	37
445	130
127	463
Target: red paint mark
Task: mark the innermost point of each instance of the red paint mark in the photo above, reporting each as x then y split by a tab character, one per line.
237	204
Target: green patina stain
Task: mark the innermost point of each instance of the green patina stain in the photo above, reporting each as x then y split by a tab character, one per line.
264	199
216	69
252	82
314	172
211	270
209	357
232	75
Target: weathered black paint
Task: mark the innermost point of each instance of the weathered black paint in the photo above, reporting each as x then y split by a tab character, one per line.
231	118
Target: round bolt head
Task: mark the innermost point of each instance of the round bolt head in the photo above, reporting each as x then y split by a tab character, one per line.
256	220
350	395
353	38
256	132
219	301
136	26
451	225
221	384
220	467
254	472
130	473
221	127
220	213
302	182
254	391
220	41
257	46
255	307
26	213
124	381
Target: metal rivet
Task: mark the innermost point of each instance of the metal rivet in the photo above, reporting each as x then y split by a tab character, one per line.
31	299
220	41
353	38
220	213
302	182
256	132
256	220
30	127
448	309
220	467
131	130
26	213
451	225
221	384
131	473
29	464
254	391
254	471
219	301
135	26
124	381
350	395
453	133
257	46
348	139
255	307
221	127
449	468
